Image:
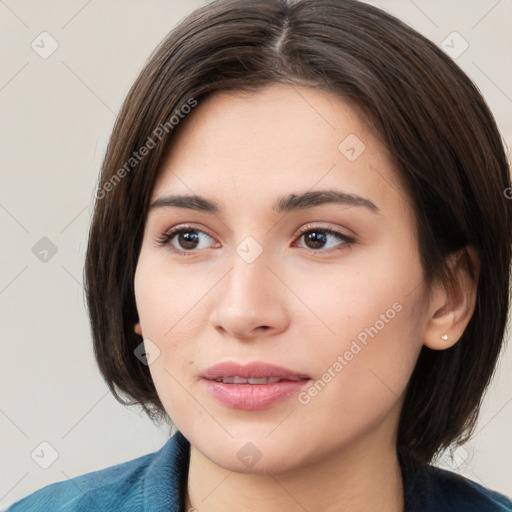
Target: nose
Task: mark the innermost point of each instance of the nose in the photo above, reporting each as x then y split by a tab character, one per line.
251	302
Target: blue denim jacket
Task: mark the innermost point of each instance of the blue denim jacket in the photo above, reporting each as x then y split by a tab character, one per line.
154	483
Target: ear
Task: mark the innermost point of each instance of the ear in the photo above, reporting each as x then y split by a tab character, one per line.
137	329
452	305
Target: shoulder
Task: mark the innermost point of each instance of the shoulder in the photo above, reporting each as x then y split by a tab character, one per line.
468	495
125	486
95	490
441	490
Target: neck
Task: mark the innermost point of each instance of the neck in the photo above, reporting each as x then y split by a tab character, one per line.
364	477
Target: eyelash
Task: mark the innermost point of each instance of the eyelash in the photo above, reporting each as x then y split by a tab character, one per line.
165	238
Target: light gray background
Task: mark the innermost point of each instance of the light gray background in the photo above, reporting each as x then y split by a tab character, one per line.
56	117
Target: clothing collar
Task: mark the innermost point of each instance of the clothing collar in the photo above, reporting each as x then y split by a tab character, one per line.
165	484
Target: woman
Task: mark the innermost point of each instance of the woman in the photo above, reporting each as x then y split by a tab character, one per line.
300	255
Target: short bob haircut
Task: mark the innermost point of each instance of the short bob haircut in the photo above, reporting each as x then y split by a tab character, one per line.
430	116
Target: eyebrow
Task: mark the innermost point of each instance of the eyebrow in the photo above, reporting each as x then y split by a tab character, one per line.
287	203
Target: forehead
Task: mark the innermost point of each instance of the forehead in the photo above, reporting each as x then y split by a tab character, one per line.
279	139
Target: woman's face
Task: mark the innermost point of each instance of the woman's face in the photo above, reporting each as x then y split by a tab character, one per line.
330	291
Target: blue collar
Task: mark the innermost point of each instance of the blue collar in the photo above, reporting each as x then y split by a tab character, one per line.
164	485
426	488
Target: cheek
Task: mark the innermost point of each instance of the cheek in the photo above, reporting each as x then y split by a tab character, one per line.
166	295
363	379
172	317
375	295
364	365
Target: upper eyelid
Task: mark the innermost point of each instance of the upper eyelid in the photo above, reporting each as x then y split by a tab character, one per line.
184	227
334	230
308	225
328	227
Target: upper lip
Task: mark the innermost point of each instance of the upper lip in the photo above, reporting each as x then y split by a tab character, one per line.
254	369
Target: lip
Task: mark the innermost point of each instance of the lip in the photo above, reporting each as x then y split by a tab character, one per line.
255	369
252	396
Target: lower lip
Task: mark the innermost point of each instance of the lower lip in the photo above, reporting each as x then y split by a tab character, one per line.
253	396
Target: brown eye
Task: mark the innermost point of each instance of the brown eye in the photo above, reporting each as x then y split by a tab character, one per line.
186	239
316	238
183	240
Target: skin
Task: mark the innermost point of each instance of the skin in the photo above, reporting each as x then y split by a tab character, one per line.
336	452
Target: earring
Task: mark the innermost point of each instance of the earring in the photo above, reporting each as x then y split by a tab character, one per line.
137	329
444	337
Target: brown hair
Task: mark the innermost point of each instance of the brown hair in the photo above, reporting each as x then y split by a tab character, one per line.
427	112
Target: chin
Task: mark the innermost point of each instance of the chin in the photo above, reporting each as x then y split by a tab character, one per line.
270	461
253	454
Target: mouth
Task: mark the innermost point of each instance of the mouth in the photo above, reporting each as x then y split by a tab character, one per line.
256	385
250	380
